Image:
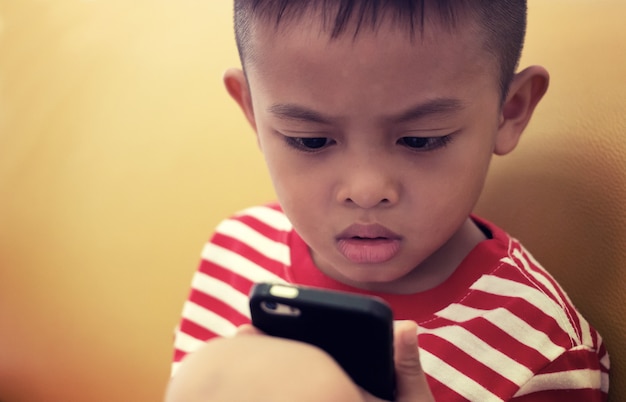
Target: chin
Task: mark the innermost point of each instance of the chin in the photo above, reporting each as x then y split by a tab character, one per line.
369	280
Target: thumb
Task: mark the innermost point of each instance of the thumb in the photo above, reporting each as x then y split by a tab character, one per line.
410	378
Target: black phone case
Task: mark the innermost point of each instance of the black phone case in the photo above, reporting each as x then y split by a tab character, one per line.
357	331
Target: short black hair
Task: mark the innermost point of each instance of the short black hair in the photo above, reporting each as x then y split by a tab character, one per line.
502	21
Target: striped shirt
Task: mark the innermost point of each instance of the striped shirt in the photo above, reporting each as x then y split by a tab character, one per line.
499	329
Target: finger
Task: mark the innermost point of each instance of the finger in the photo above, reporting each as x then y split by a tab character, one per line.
410	378
248	329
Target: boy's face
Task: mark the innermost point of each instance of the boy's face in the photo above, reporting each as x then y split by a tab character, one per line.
377	146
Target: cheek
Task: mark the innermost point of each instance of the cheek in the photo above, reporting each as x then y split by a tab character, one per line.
458	177
295	175
469	171
297	184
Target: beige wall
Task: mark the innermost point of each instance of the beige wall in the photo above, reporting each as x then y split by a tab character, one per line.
119	152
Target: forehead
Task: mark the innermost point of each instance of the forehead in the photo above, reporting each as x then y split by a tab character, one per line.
384	60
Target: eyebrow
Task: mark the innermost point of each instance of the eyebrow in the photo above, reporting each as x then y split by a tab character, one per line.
439	106
288	111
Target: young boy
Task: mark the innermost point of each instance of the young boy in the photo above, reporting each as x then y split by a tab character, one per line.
378	120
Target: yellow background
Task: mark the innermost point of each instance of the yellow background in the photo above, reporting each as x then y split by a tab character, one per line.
120	151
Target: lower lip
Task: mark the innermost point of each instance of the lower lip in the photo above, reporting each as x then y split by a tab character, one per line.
368	251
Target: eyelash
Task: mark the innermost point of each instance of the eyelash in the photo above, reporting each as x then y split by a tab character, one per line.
308	144
419	144
425	143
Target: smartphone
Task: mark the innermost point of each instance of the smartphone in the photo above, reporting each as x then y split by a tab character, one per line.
357	331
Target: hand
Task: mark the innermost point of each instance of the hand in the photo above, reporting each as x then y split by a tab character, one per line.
252	367
411	382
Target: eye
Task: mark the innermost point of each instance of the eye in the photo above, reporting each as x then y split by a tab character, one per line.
308	144
425	143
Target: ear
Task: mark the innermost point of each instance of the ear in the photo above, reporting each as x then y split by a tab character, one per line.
237	86
527	89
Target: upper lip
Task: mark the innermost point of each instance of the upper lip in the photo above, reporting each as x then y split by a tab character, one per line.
367	231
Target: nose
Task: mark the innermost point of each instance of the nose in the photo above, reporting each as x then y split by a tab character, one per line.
368	185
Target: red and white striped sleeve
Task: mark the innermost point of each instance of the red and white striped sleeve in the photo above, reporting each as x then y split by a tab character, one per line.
247	248
515	336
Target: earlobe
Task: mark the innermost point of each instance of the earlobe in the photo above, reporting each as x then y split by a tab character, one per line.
527	89
237	86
